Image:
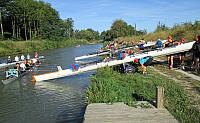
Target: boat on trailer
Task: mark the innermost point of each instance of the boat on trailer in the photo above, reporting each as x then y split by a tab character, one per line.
69	72
148	44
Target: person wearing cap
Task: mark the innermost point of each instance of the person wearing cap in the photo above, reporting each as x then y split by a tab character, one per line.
144	62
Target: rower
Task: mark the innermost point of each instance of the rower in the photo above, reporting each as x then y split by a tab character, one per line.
28	57
22	66
27	64
16	58
22	57
17	67
33	61
9	60
36	55
37	58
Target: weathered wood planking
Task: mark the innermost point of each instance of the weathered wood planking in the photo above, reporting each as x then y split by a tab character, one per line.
121	113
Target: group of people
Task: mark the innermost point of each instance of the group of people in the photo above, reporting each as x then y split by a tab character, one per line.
144	62
27	63
195	52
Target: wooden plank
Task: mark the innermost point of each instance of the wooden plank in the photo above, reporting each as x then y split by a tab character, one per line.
121	113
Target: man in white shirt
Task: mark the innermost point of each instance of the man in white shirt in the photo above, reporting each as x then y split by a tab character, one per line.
16	58
23	66
22	57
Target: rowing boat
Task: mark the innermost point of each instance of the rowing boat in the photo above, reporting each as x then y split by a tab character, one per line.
148	44
3	65
68	72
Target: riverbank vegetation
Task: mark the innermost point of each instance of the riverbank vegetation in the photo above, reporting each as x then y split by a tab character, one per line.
121	31
10	47
37	26
109	86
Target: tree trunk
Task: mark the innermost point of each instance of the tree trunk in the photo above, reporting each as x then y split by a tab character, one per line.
35	30
1	25
30	35
13	26
25	32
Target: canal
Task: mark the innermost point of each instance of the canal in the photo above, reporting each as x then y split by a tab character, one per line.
55	101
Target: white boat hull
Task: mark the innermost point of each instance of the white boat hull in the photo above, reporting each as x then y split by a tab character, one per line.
69	72
149	44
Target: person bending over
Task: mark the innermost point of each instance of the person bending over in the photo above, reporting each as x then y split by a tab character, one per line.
144	62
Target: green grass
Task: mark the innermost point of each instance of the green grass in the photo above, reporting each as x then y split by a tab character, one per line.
17	47
109	86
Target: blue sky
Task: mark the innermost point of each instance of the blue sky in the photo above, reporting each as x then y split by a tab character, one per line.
99	14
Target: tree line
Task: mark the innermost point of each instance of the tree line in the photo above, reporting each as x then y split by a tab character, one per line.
120	28
30	19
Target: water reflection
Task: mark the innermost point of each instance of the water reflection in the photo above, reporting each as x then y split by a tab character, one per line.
56	101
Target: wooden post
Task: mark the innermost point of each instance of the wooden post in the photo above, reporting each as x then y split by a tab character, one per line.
160	97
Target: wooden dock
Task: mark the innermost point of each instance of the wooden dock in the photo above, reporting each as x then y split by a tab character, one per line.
121	113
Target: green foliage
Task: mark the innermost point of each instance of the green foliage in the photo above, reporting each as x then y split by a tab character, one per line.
87	34
17	47
108	86
186	30
161	27
120	28
35	20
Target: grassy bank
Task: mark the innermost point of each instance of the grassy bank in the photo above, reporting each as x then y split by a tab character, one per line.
186	30
110	86
18	47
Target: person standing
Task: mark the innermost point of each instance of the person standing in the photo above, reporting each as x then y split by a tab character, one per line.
196	53
170	58
182	54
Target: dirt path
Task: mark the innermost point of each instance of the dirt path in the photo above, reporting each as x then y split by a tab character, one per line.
192	90
189	75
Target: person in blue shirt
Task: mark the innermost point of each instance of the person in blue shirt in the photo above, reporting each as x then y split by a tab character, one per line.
144	62
159	44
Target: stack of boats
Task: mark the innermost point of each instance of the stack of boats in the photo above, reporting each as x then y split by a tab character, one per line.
156	52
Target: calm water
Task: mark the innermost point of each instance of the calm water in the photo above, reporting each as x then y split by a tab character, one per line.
56	101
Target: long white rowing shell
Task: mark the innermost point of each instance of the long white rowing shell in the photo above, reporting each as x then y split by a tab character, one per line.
107	52
69	72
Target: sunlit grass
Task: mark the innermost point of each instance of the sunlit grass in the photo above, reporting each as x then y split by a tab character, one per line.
109	86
